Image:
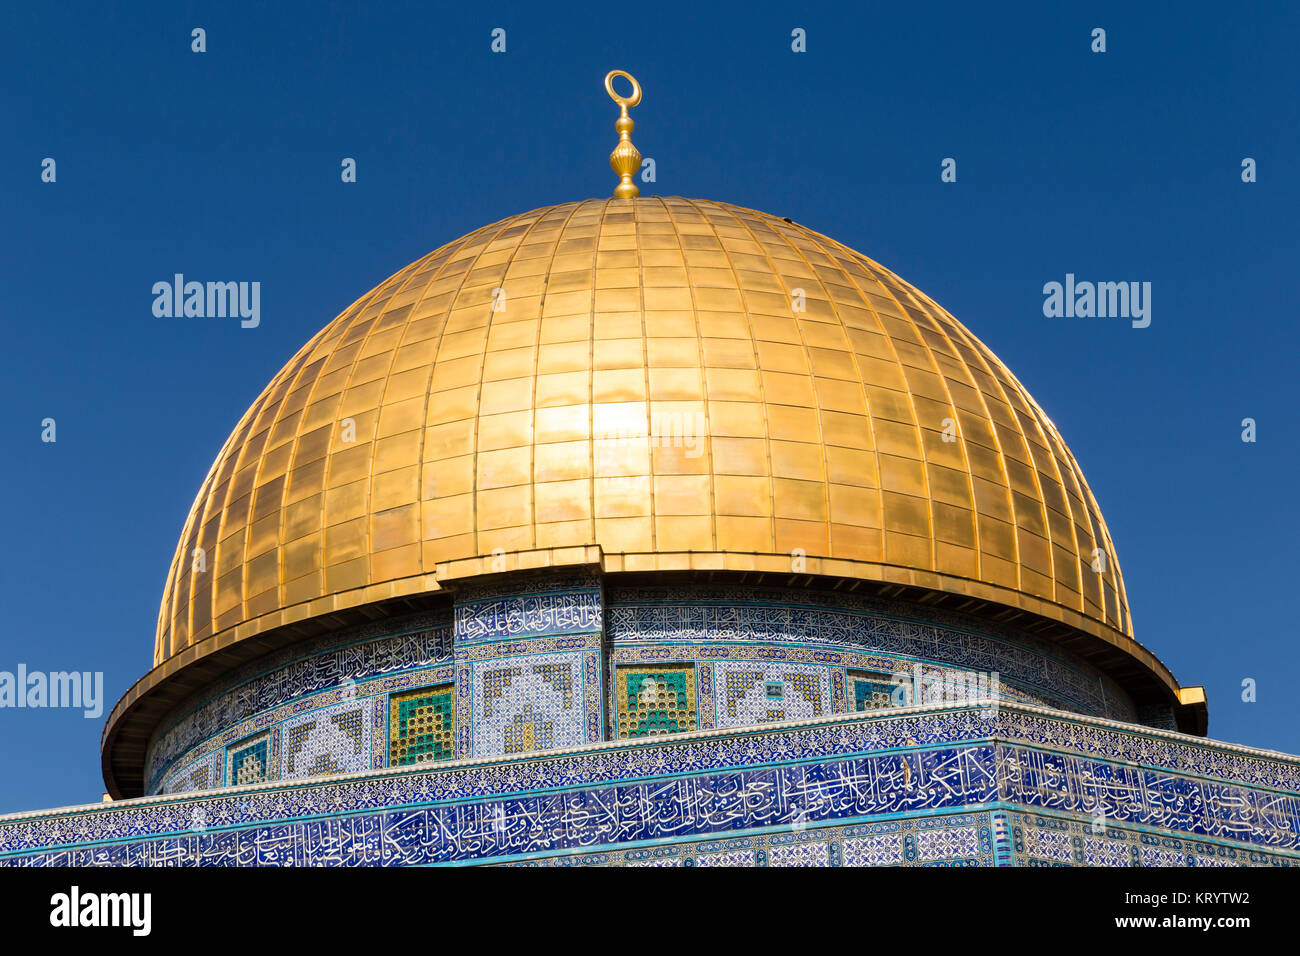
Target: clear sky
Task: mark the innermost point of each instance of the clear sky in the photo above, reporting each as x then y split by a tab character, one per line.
1116	166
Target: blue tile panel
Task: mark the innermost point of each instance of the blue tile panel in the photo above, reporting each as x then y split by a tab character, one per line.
1074	791
250	763
535	670
530	605
849	631
528	668
318	673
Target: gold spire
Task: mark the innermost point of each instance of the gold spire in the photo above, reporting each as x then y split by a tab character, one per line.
626	158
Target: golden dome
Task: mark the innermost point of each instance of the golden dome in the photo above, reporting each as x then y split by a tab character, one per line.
664	383
645	385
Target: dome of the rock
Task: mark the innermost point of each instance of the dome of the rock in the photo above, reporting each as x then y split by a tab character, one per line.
654	532
651	386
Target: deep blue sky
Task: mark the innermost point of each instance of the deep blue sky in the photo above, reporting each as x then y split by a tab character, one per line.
225	165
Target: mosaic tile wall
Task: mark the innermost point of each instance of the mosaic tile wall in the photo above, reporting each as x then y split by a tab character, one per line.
847	631
751	693
964	839
526	703
528	656
656	700
202	774
951	840
1023	786
534	669
869	691
422	725
340	730
356	663
529	605
1050	841
329	740
249	761
527	653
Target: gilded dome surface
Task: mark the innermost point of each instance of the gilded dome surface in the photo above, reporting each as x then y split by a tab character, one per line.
666	383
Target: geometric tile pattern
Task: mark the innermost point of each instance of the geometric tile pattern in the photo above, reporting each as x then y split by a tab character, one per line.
372	692
249	762
1098	851
835	660
737	682
526	703
527	652
358	654
1053	845
949	842
869	691
759	694
1060	841
203	774
800	854
422	726
1155	856
878	849
654	701
328	741
777	635
727	858
838	624
675	798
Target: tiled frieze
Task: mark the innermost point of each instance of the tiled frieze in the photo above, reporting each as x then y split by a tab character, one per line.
340	664
369	695
863	633
877	786
757	655
522	606
1107	791
528	651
